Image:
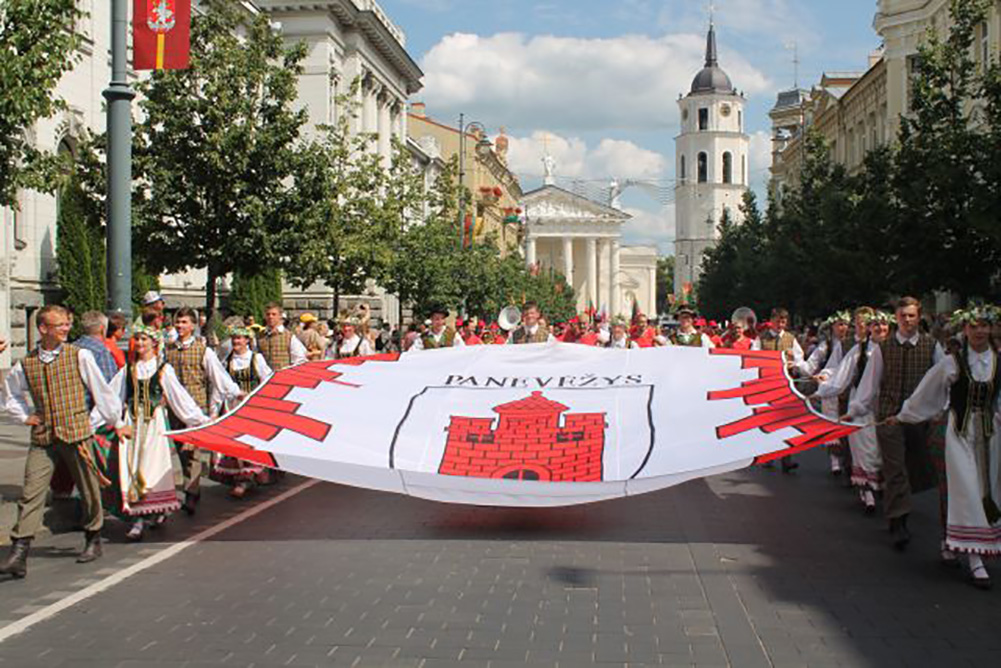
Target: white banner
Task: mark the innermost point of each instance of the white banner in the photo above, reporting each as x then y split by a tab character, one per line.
531	425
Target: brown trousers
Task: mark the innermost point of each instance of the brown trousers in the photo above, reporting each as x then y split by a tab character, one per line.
907	465
38	470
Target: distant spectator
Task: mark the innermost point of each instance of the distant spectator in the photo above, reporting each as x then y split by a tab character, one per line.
95	324
116	330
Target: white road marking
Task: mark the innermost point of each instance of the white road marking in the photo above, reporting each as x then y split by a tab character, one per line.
49	611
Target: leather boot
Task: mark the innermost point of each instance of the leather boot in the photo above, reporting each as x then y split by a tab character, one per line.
92	549
900	536
16	564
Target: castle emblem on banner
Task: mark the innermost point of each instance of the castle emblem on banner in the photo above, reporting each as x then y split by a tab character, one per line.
533	438
160	16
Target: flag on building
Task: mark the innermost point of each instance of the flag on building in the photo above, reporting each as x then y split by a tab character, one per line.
161	34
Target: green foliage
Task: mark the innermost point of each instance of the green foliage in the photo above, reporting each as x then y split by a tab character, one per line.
665	284
250	293
142	282
80	254
216	151
38	44
917	217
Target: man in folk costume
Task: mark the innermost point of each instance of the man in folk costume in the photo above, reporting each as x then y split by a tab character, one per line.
531	330
439	334
351	343
687	335
821	365
871	329
278	345
620	335
201	373
57	377
894	370
139	460
248	369
969	383
776	337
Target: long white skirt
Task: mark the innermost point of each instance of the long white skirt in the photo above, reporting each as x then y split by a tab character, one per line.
867	463
145	469
967	528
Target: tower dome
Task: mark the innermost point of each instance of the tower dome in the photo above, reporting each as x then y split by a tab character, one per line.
711	79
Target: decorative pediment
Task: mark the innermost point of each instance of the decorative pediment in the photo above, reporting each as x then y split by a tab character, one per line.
552	204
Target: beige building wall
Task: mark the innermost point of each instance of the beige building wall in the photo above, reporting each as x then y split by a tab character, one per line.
494	188
857	113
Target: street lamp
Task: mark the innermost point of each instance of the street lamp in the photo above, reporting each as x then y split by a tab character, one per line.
482	144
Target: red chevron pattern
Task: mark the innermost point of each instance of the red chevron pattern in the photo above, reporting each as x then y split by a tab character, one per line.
268	412
778	405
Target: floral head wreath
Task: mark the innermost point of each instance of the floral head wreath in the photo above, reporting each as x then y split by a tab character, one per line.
352	320
839	316
619	321
880	317
975	313
145	330
241	331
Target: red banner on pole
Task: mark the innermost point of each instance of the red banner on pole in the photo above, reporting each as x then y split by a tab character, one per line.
161	34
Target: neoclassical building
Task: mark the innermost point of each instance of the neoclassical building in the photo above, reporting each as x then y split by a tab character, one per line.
711	164
581	239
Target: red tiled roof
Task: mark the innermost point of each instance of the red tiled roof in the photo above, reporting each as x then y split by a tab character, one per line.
532	404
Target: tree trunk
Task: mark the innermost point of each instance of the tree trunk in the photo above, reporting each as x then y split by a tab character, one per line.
337	302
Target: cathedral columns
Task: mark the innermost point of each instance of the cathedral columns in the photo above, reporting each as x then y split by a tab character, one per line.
530	251
613	281
592	273
568	260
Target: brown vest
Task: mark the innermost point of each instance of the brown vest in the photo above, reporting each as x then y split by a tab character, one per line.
783	342
188	363
521	335
903	368
276	348
60	397
446	341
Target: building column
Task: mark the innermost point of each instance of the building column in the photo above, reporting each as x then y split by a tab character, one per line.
651	309
592	272
384	143
568	260
530	251
604	275
613	281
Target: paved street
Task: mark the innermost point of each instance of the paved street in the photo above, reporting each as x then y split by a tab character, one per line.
747	569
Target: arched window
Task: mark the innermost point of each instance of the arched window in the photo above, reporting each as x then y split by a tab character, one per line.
683	176
727	167
703	168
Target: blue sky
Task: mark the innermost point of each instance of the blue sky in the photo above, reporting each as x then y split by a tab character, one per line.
598	80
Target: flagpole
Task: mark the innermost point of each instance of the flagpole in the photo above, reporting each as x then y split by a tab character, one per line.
119	96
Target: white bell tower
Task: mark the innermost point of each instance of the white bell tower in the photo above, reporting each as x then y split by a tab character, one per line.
711	156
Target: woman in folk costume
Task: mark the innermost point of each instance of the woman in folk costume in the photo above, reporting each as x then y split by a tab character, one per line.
871	328
248	369
821	365
351	343
141	461
968	382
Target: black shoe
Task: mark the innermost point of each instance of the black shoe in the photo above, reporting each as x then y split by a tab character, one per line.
899	534
190	503
92	549
788	465
16	564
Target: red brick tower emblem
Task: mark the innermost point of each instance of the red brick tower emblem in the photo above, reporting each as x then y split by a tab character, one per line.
527	442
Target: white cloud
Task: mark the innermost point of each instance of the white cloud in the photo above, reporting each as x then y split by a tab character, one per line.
575	159
760	157
650	228
572	84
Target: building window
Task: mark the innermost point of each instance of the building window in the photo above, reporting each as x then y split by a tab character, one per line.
743	169
683	168
727	167
703	119
703	168
740	121
913	71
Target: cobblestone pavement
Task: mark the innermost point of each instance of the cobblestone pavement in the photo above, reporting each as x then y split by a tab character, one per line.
748	569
